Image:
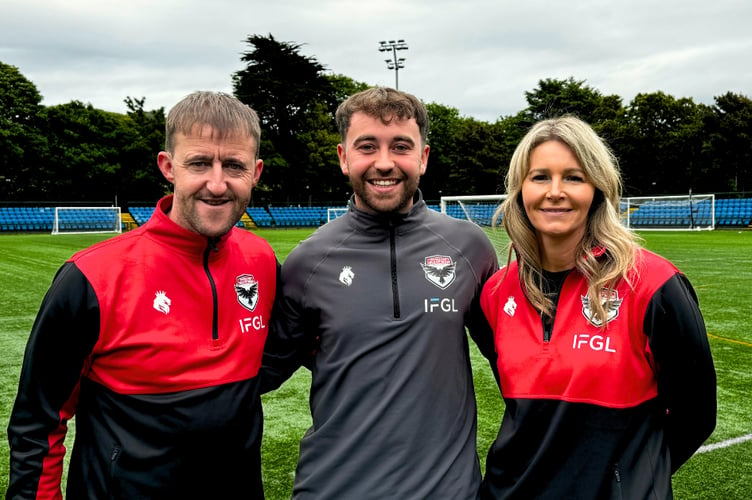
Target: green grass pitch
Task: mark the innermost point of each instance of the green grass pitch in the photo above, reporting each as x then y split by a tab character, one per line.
719	264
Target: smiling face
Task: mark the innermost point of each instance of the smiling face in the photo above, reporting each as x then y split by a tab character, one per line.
212	177
384	162
557	195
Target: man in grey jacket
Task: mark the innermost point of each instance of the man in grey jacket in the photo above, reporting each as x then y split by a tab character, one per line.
376	303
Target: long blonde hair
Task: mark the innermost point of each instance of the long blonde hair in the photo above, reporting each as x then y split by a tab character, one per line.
606	252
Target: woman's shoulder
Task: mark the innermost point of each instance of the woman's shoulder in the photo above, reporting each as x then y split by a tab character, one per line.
648	260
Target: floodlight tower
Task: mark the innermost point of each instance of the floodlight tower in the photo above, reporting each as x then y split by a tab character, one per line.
394	63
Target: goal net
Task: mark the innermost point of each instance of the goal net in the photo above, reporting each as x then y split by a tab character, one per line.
333	213
78	220
688	212
480	210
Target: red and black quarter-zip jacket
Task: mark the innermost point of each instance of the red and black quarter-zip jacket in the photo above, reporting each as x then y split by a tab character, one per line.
593	413
153	339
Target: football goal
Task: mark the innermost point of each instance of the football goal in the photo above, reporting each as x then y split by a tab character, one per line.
78	220
333	213
480	210
687	212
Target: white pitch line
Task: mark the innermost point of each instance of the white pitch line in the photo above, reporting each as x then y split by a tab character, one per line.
724	444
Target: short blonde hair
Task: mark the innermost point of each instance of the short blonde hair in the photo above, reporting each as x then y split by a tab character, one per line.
225	114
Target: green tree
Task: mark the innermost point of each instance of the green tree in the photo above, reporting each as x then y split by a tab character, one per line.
21	142
442	157
84	152
662	145
322	178
483	157
139	179
508	132
729	151
325	180
559	97
285	88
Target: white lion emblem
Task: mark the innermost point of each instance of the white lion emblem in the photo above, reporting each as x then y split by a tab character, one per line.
511	306
346	276
162	302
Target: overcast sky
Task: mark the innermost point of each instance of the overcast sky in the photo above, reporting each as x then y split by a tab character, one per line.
479	56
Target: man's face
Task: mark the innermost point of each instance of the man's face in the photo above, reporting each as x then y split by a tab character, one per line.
384	162
212	179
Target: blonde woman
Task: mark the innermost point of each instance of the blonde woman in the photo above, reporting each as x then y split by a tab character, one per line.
602	354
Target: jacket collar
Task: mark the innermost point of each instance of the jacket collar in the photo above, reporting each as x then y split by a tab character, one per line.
381	221
166	231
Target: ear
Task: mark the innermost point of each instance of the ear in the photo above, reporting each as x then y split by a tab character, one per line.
257	172
164	161
343	159
424	159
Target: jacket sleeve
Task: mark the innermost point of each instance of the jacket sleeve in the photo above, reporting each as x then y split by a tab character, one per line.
686	375
477	324
62	337
288	346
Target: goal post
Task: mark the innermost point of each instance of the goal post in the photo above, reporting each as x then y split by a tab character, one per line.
477	208
80	220
480	210
667	213
334	212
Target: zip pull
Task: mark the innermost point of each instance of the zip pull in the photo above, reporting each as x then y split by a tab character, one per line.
548	326
213	244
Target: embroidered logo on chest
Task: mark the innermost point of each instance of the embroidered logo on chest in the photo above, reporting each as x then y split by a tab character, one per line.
246	289
612	309
162	302
510	307
439	270
346	276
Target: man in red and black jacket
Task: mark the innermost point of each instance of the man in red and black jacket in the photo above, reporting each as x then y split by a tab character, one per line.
154	338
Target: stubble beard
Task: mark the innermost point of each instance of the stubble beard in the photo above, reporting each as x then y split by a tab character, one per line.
380	204
205	226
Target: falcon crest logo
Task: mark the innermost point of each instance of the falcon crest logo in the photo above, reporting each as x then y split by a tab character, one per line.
612	310
439	270
246	289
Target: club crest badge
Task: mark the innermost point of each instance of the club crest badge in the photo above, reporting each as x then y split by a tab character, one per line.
246	289
612	309
439	270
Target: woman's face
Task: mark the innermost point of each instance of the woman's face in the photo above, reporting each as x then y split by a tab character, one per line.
556	194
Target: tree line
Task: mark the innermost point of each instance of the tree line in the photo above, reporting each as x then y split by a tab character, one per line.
74	152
